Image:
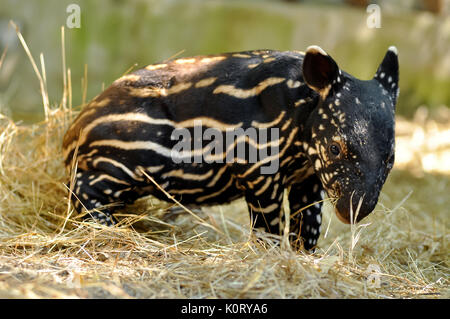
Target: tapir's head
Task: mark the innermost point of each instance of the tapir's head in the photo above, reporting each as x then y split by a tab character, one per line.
350	138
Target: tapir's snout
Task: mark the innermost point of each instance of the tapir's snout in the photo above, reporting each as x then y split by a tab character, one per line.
353	208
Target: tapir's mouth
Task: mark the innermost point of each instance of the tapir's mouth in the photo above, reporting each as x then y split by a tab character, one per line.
335	192
350	209
353	213
340	217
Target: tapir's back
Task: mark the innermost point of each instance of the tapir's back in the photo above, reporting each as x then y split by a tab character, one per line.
221	90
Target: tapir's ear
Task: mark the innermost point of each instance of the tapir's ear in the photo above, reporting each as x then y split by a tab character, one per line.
387	73
320	71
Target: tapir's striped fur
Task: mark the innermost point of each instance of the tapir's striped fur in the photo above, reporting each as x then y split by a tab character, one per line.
334	136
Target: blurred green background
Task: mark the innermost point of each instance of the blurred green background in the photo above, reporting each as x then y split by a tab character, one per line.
118	34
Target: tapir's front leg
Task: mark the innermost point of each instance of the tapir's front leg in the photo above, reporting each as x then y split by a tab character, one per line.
305	223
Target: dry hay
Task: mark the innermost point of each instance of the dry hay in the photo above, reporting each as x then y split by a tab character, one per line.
399	251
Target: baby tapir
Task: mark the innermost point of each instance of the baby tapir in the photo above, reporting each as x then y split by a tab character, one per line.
296	122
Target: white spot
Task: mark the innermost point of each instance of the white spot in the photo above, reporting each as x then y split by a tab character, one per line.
212	59
165	185
299	102
274	221
361	128
393	49
184	61
317	164
319	219
304	199
293	84
382	74
155	66
308	212
311	151
314	49
390	79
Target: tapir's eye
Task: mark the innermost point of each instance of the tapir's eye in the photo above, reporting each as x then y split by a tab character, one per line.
335	149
